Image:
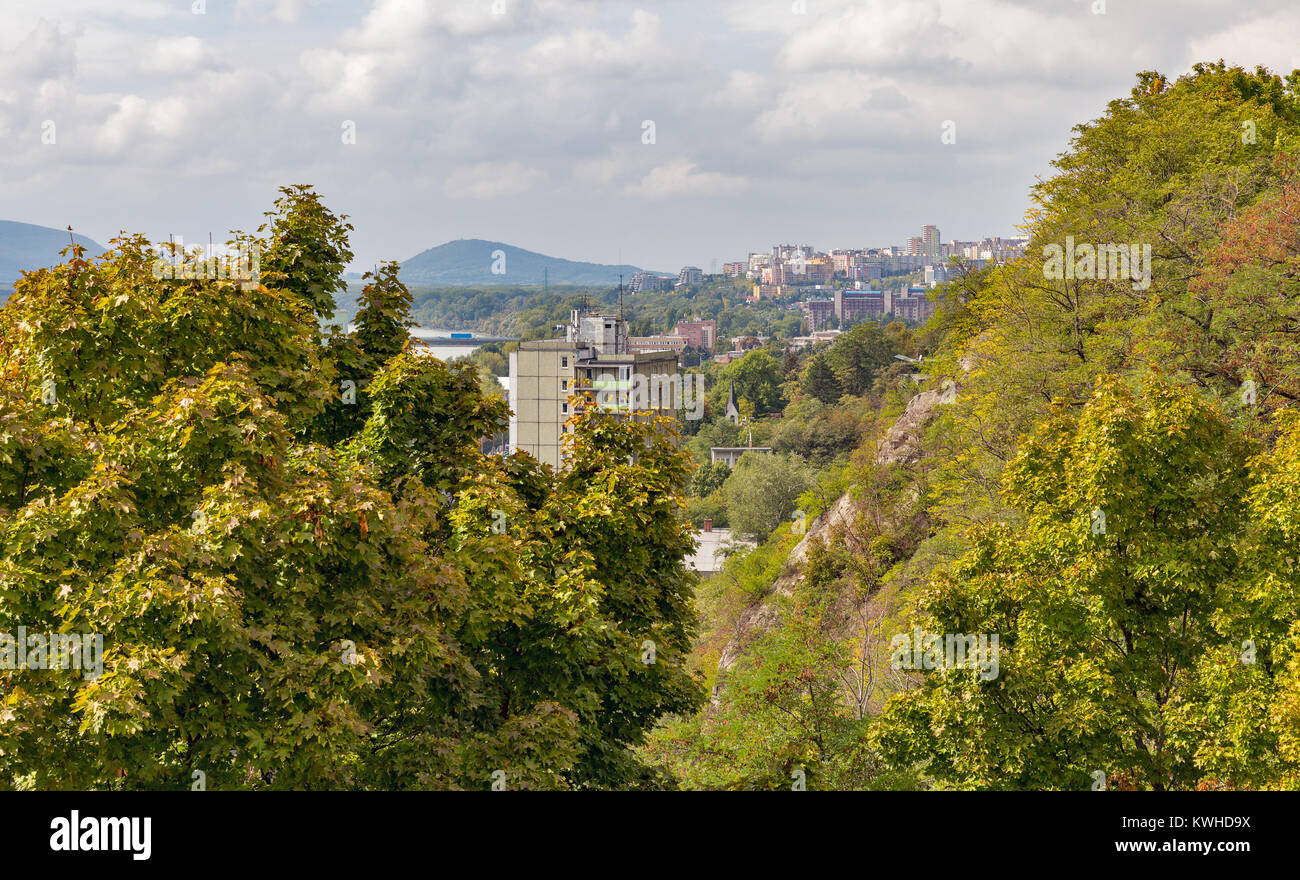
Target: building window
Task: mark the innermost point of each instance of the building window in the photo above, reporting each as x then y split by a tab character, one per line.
564	362
564	409
564	384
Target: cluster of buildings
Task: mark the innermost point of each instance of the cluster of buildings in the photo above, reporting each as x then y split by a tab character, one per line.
799	270
798	265
647	282
696	334
788	268
597	354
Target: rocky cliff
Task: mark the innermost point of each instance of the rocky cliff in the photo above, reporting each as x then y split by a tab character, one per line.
898	446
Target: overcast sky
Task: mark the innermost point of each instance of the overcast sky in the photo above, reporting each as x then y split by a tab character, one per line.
528	126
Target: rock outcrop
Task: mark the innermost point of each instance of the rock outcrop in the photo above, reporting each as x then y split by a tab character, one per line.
762	615
900	445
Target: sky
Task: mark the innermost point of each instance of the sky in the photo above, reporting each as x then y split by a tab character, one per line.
659	134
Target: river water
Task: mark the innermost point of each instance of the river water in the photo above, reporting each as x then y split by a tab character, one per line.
442	352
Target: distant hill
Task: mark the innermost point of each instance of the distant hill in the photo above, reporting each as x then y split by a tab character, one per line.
24	246
469	262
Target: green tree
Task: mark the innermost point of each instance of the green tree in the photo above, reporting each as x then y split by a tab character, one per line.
1105	601
384	320
382	332
392	610
819	380
708	478
763	492
305	248
858	355
758	383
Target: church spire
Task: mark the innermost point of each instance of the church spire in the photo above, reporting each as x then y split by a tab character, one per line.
733	411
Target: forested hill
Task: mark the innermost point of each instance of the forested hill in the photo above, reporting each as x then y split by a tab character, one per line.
473	261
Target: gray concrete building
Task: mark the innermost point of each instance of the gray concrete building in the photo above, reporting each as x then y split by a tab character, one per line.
593	357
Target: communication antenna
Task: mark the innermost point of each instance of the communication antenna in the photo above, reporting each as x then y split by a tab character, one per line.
620	312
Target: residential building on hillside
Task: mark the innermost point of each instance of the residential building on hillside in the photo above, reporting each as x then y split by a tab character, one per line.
675	344
646	282
783	252
594	356
699	334
870	269
937	274
910	304
712	547
818	312
930	241
689	276
730	455
852	306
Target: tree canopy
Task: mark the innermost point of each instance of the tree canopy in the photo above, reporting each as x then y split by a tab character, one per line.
285	606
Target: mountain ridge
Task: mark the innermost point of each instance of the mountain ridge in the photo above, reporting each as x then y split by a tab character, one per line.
476	261
27	246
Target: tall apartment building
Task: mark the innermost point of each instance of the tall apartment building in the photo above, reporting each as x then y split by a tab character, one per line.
819	313
645	282
689	277
910	304
937	274
800	270
847	261
930	241
593	356
781	252
852	306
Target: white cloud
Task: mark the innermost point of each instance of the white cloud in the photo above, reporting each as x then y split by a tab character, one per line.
1271	41
141	123
176	55
491	180
827	123
681	179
